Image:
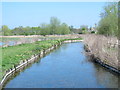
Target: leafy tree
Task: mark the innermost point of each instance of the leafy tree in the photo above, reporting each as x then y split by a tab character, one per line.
108	24
54	23
5	30
26	30
64	29
35	31
71	29
83	28
119	24
18	31
1	31
45	29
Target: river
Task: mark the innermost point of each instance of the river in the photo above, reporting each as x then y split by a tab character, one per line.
65	67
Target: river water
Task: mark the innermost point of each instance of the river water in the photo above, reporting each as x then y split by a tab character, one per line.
65	67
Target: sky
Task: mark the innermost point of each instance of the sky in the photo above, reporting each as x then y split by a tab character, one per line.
32	14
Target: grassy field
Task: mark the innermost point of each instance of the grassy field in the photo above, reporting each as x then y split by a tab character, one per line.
12	55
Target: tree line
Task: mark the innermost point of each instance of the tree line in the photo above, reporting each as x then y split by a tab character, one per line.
55	27
108	25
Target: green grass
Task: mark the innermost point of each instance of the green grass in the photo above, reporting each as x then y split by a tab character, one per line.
72	39
12	55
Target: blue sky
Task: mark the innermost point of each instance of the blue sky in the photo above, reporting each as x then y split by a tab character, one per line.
16	14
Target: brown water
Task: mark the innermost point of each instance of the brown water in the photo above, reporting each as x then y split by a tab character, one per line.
65	67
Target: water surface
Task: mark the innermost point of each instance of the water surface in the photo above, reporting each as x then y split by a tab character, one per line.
65	67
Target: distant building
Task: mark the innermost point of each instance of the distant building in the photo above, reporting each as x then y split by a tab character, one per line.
92	29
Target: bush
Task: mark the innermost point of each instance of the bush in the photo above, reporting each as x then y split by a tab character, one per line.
92	31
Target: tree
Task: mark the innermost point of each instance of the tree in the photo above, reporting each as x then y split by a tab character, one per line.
45	29
71	29
64	29
54	23
84	28
35	31
108	25
5	30
18	31
26	30
0	30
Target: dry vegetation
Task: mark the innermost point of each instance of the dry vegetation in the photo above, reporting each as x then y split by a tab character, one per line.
105	48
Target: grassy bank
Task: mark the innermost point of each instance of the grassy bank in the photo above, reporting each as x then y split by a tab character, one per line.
12	55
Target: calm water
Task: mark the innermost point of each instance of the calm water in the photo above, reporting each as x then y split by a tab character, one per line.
65	67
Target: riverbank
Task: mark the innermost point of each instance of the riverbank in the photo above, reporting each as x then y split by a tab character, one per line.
6	41
26	53
103	50
67	66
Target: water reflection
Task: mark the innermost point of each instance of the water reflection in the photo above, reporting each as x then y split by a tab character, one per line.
105	78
